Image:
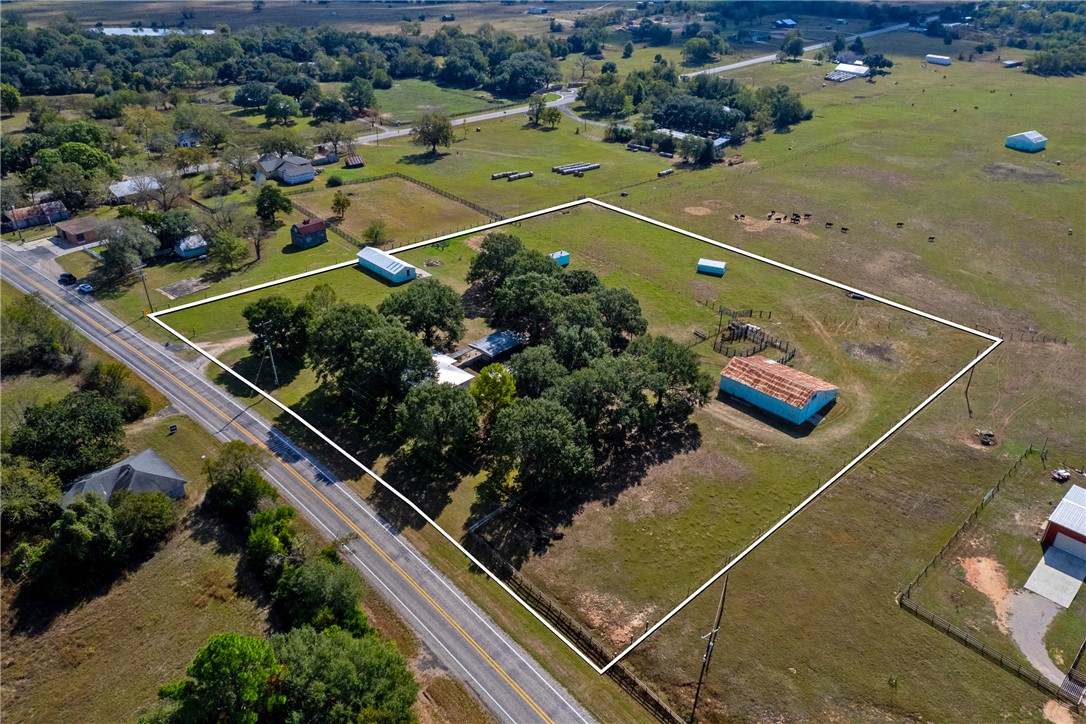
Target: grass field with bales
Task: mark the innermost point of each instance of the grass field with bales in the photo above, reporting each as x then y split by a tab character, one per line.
988	236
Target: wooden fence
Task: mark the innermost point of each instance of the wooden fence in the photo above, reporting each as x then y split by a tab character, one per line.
577	633
969	520
961	635
969	640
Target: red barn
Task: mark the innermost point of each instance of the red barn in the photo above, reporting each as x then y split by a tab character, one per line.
1066	528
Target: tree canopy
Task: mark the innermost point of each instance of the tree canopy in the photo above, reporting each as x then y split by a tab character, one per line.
438	417
78	434
547	448
429	308
432	130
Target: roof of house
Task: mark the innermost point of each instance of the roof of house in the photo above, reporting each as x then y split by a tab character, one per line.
788	385
270	162
1071	511
191	242
145	472
447	371
79	225
28	212
383	260
1033	136
293	169
134	185
309	226
492	345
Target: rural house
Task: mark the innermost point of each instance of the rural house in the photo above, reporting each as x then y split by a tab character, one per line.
1029	141
448	373
324	156
776	388
190	246
497	344
385	265
49	212
290	169
142	473
83	230
309	233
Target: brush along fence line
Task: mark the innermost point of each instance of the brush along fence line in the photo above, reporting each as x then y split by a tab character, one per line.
962	636
554	613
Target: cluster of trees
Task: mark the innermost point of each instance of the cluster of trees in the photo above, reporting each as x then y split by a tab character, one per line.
701	104
33	338
328	665
591	382
66	58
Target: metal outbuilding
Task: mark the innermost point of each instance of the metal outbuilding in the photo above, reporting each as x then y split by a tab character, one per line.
937	59
561	258
776	388
385	265
1066	528
1029	141
712	267
498	343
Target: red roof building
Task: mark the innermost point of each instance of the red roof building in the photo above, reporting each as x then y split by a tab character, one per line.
788	393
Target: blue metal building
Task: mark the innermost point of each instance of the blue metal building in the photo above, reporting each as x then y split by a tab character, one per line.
561	258
712	266
1029	141
776	388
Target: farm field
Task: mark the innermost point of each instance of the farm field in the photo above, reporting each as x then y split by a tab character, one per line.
409	98
410	213
627	543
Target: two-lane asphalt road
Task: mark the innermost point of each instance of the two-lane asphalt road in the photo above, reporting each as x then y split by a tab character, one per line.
513	686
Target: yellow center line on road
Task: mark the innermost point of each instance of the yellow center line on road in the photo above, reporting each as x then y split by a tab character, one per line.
358	531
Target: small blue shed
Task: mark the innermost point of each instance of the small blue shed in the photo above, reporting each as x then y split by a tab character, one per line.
561	258
190	246
385	265
712	267
776	388
1029	141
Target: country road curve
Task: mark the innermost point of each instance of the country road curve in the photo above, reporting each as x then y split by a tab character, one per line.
506	679
569	96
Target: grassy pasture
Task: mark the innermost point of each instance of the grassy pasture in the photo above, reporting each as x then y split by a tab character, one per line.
729	492
409	98
410	212
974	585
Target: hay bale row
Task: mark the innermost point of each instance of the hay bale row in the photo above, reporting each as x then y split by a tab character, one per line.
665	154
579	168
638	147
516	176
503	174
559	169
665	172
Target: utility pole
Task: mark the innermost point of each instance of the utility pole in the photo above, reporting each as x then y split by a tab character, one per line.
143	278
267	345
708	657
17	227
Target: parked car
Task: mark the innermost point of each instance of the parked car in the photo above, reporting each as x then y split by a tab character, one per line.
67	279
85	288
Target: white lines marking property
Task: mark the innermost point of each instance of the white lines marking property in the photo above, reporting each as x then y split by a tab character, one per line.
994	340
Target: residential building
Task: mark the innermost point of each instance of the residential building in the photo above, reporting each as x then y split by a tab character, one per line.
25	217
290	169
83	230
309	233
146	472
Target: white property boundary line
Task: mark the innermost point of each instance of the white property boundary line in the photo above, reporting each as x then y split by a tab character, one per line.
995	342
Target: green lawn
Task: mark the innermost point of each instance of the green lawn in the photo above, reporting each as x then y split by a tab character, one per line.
410	212
409	98
658	266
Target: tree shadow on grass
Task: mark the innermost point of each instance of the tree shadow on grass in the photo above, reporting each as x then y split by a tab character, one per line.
478	302
528	527
258	370
421	159
427	479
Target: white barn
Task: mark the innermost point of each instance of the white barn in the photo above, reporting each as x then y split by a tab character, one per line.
385	265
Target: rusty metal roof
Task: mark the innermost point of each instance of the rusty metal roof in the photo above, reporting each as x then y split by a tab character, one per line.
790	386
310	226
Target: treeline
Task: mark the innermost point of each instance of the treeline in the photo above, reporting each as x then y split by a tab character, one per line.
327	664
701	104
69	59
590	384
1057	30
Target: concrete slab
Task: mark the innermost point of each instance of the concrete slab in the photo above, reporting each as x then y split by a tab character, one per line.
1058	576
